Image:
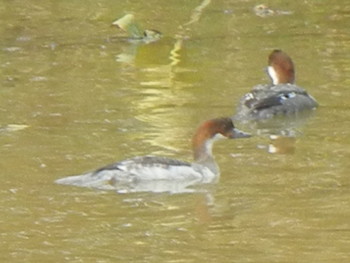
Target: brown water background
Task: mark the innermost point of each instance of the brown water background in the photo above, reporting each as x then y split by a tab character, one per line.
90	97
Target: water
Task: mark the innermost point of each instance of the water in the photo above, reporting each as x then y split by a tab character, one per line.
89	97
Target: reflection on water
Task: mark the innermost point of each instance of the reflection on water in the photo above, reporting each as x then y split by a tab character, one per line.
161	82
161	186
12	128
282	131
282	145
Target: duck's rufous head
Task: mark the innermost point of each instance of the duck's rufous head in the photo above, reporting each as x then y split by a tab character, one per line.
280	68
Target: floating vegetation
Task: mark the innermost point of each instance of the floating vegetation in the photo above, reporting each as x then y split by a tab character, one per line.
263	10
130	25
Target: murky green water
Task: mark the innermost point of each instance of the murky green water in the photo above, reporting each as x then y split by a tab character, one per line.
89	97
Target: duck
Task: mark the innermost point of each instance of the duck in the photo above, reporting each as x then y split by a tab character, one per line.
280	98
147	172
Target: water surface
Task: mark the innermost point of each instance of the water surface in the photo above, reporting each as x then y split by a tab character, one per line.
90	97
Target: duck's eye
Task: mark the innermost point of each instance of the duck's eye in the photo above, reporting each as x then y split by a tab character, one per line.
288	96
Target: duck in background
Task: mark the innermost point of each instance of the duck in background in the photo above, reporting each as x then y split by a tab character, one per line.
281	97
161	174
277	109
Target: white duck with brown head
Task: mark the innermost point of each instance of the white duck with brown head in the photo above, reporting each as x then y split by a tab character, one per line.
144	169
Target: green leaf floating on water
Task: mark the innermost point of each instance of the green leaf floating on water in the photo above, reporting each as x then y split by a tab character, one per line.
129	25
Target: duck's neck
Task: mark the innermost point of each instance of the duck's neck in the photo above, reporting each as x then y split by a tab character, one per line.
203	155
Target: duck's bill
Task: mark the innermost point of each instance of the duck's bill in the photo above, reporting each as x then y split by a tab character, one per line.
236	133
